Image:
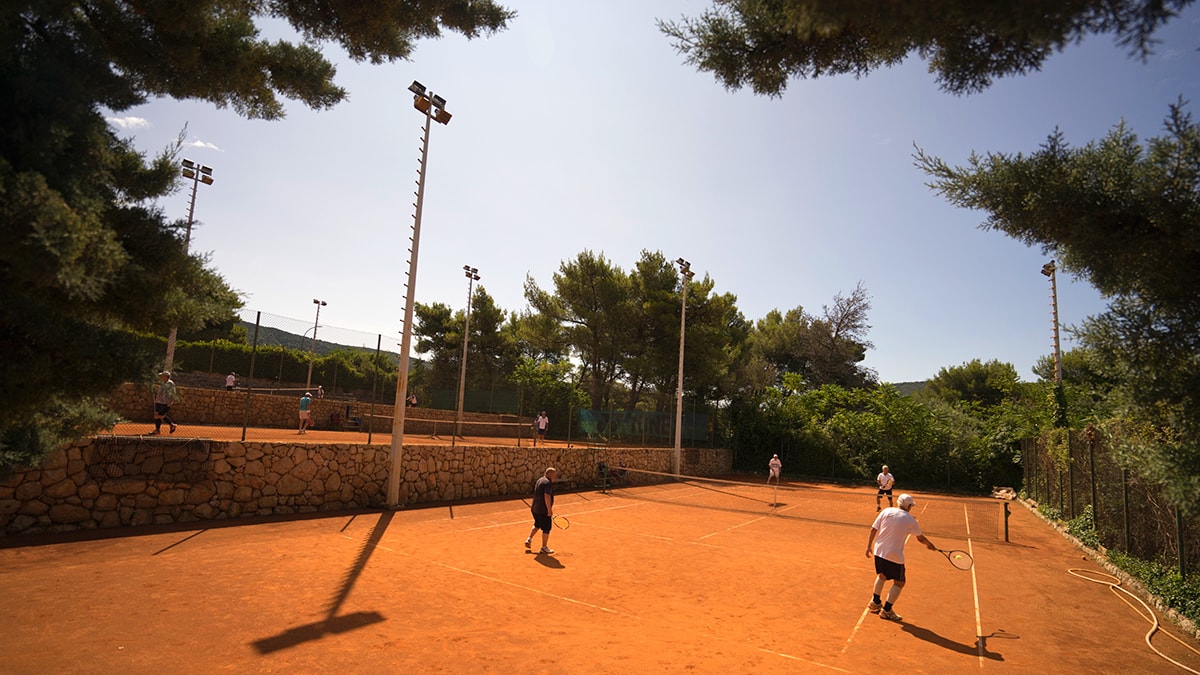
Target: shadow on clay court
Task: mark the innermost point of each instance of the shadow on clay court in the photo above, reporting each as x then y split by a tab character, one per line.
946	643
332	623
999	635
546	560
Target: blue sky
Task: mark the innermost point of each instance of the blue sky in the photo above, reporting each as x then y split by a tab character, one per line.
581	128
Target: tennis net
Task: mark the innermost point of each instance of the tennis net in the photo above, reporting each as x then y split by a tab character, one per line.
979	518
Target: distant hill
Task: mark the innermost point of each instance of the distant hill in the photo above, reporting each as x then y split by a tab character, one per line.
909	388
275	336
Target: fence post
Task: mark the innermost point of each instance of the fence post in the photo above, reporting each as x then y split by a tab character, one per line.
1179	542
1125	505
1091	439
250	377
1071	477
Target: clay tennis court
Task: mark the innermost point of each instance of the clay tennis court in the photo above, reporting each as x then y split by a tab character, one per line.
322	434
637	584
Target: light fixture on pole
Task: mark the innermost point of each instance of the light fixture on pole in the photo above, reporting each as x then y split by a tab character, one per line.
472	274
312	350
434	109
199	174
1049	270
686	274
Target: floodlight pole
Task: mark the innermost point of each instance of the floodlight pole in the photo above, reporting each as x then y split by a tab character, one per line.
472	274
686	274
199	174
312	350
434	108
1050	270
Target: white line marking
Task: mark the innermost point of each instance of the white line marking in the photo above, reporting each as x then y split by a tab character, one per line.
797	658
974	589
569	515
855	631
730	529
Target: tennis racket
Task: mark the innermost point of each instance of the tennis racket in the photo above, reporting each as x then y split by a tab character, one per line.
960	559
561	522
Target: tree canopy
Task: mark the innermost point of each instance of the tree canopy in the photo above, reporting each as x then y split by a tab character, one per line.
968	43
1126	216
87	258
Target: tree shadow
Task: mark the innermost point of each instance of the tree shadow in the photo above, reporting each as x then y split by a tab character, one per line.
332	623
977	649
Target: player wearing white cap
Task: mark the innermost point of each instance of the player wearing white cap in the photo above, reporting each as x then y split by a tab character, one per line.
889	533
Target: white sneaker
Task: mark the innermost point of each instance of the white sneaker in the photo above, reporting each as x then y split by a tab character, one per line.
528	542
890	615
547	550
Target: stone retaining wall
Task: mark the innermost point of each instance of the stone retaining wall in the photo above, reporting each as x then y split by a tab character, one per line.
111	482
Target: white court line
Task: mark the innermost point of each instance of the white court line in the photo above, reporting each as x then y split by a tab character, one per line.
748	522
855	631
730	529
569	515
797	658
581	602
974	589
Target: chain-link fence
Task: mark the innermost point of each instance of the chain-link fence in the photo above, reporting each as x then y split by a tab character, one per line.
1066	473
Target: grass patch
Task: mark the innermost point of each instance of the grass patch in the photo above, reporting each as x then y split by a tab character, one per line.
1178	593
1083	528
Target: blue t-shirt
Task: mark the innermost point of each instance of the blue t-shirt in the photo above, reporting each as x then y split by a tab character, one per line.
544	486
304	401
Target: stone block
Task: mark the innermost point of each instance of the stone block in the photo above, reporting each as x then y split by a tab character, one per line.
61	489
123	486
290	485
69	513
55	460
200	494
171	497
27	491
21	524
152	465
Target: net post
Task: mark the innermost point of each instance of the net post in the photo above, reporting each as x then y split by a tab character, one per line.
1006	514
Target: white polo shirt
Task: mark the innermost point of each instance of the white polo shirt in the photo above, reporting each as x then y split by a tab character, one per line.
893	525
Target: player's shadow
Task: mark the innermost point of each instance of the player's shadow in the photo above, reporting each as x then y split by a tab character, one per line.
546	560
332	623
977	649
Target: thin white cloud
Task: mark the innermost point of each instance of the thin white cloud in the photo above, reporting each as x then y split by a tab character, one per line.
202	144
129	123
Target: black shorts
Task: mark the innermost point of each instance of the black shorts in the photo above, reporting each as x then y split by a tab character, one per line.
892	571
161	409
542	521
883	492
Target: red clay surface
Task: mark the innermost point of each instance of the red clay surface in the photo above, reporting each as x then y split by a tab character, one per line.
635	586
319	435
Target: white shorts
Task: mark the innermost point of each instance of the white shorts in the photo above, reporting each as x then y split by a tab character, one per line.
774	473
306	414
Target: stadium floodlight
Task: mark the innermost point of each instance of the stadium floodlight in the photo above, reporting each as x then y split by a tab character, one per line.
312	349
686	274
198	173
434	110
472	274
